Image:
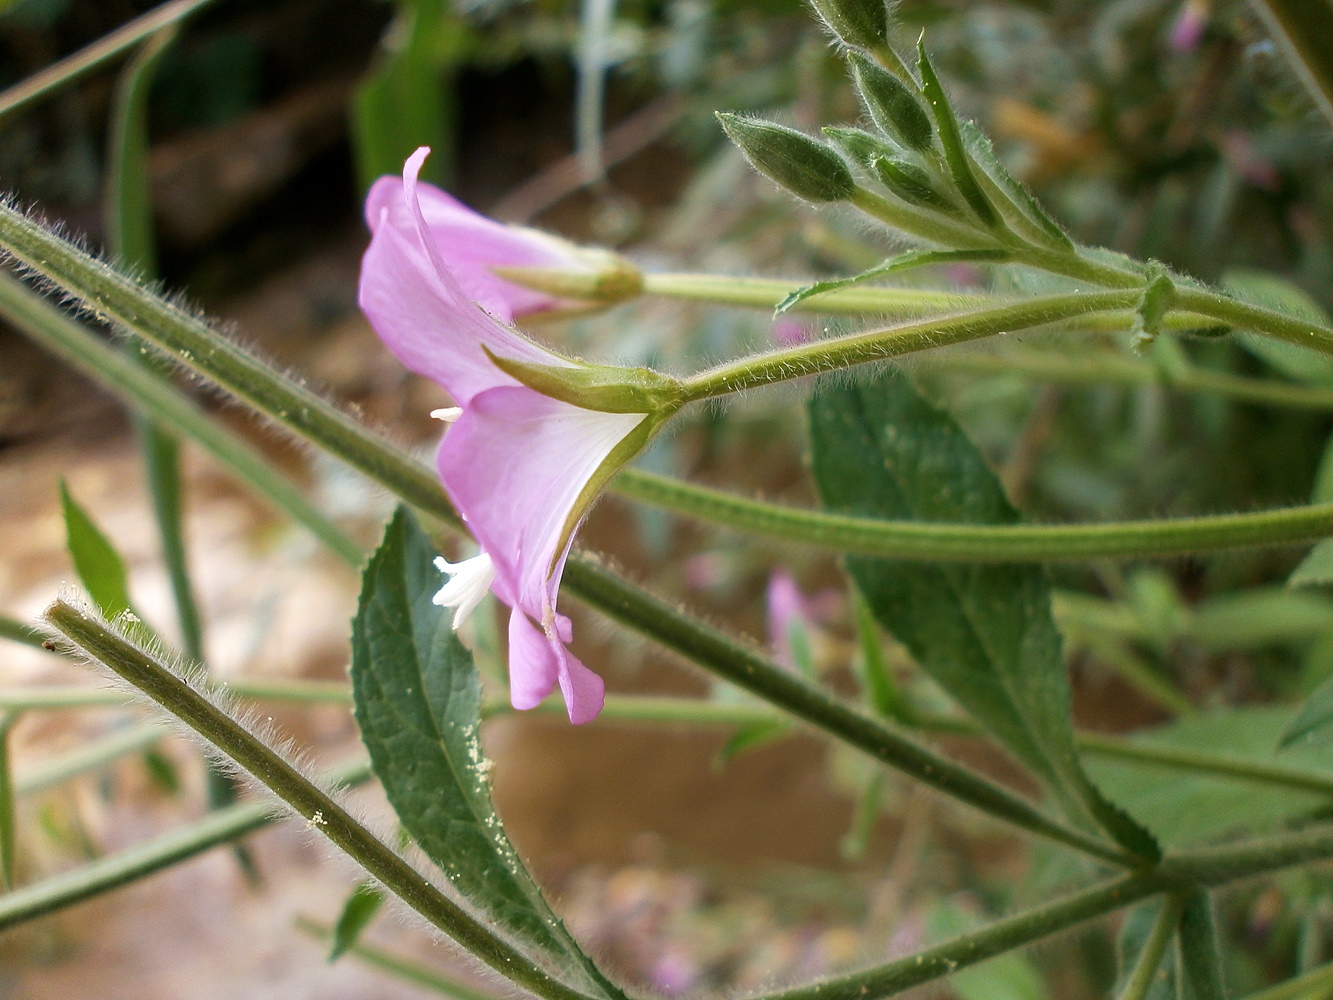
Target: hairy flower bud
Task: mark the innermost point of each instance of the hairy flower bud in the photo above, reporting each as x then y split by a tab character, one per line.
860	146
910	183
863	23
892	106
804	166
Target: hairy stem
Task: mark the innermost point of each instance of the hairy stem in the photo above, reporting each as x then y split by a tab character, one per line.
140	670
979	542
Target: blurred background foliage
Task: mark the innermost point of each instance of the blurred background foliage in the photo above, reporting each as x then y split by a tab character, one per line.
1165	129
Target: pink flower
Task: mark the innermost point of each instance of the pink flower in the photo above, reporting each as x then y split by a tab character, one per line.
1190	24
521	467
471	246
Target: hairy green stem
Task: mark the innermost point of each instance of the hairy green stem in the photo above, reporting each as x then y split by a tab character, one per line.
977	542
766	293
255	688
1149	960
1233	312
742	666
142	671
21	632
1103	368
107	47
152	396
106	874
905	338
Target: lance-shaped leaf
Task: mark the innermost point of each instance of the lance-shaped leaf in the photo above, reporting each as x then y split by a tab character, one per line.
100	568
418	705
985	633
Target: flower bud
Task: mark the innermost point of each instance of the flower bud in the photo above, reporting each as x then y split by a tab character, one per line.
861	147
894	108
804	166
863	23
910	183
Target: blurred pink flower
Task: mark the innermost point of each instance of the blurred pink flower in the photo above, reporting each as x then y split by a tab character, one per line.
515	463
1190	24
471	245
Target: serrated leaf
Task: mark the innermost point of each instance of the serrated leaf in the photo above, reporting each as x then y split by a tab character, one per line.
903	262
100	568
1272	292
417	701
1186	808
1316	568
983	632
357	913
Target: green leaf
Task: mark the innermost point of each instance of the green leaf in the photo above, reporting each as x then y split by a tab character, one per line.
751	737
1272	292
1313	724
100	568
1007	188
417	701
872	668
407	99
984	633
357	913
8	826
1185	807
1316	568
903	262
951	140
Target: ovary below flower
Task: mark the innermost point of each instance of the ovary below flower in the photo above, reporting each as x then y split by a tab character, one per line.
521	467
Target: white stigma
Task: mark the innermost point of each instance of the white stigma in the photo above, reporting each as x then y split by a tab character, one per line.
447	413
469	581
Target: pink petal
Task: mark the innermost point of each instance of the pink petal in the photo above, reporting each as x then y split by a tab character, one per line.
422	314
537	660
470	245
533	666
516	462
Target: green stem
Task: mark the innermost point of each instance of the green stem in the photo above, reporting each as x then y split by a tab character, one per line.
742	666
905	338
1103	368
766	293
1317	984
1149	960
929	226
21	632
1233	312
69	69
402	968
106	874
8	824
142	671
150	395
976	542
256	688
90	756
1302	29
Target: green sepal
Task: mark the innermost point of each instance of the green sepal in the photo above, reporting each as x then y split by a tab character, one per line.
911	183
891	105
804	166
951	140
604	388
611	278
856	22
